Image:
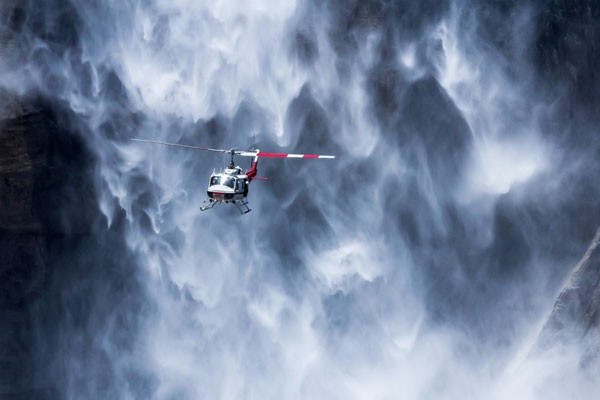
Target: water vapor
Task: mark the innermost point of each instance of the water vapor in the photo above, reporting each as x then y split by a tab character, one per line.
418	264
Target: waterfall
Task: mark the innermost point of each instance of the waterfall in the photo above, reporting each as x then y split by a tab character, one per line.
417	264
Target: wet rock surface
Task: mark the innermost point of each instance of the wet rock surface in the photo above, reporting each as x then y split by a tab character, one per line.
59	260
41	176
22	246
575	317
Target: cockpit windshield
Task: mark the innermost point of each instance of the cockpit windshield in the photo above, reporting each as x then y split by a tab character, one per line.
215	180
222	179
228	181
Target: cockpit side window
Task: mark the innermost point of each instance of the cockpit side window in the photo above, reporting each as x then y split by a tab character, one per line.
240	185
215	180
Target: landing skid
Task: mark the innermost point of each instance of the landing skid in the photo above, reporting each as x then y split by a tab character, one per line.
242	205
209	203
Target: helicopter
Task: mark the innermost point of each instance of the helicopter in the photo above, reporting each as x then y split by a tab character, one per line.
232	184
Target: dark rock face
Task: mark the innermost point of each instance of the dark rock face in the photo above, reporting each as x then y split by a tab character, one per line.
575	318
567	54
59	262
22	246
433	124
16	167
41	176
568	46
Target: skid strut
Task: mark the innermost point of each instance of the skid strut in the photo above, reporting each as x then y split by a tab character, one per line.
242	205
209	203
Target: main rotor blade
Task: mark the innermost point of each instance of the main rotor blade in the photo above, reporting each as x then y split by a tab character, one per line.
237	152
183	145
287	155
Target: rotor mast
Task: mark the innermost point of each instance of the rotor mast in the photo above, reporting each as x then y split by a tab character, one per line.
232	163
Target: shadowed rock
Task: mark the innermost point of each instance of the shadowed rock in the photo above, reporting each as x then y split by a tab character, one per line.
22	249
42	175
575	317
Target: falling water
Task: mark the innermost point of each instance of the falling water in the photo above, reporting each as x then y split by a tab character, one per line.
418	264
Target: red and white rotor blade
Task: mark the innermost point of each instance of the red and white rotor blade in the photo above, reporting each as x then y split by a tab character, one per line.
237	152
282	155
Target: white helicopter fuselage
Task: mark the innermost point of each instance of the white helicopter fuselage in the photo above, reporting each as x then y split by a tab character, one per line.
228	186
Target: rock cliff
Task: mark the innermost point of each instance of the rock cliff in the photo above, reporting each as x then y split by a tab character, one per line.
43	198
575	318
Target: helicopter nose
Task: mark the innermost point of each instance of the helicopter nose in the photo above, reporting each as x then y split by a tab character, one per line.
220	192
220	195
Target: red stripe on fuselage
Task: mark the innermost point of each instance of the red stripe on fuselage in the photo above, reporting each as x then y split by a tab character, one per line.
310	156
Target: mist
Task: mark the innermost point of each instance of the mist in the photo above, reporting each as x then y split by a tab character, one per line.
421	263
